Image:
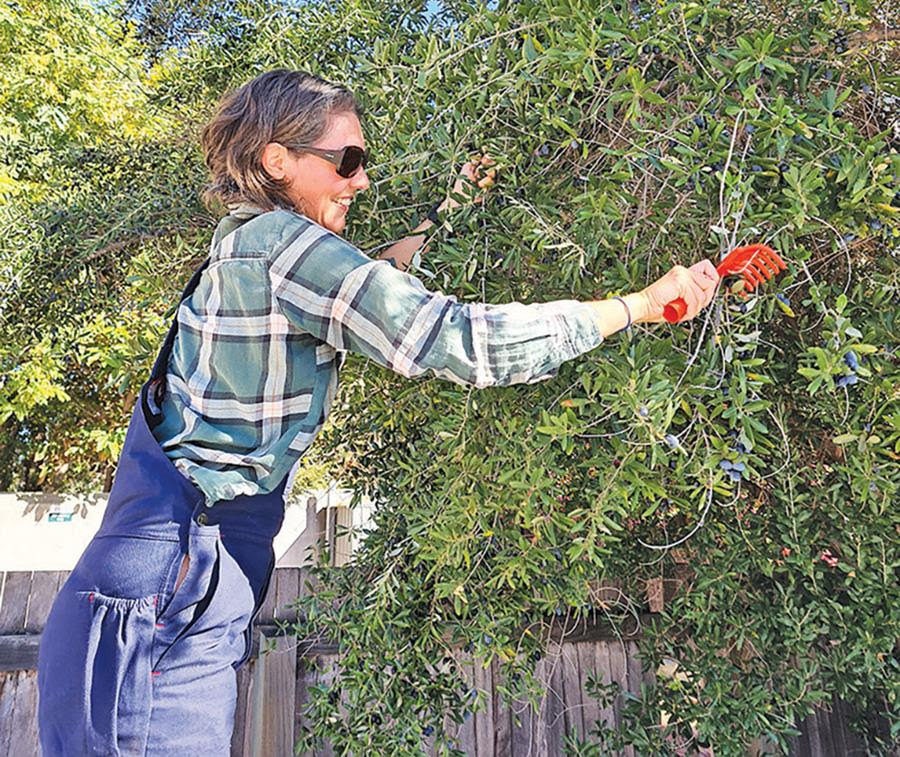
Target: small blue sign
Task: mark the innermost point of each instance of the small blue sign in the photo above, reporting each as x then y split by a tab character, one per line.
59	517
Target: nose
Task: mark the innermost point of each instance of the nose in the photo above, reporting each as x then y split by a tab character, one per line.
360	180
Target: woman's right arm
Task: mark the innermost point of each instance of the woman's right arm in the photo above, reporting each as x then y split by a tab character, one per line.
326	287
695	285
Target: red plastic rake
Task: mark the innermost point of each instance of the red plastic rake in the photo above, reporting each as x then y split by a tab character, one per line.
756	263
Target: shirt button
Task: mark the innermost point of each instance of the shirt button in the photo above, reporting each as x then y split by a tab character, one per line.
202	519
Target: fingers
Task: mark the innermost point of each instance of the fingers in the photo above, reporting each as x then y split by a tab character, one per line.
472	169
706	277
689	290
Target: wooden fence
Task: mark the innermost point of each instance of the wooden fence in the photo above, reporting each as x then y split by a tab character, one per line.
272	688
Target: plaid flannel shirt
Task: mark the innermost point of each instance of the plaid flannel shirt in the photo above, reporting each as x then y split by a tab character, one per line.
260	343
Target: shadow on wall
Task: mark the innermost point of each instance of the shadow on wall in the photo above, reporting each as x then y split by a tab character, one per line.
57	507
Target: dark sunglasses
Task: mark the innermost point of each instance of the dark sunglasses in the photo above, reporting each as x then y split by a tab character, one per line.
347	161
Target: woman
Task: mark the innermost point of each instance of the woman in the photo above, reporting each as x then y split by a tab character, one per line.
140	650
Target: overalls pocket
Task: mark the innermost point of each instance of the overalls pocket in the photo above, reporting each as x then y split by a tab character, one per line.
117	684
205	616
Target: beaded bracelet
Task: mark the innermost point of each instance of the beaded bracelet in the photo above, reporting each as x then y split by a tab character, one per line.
627	310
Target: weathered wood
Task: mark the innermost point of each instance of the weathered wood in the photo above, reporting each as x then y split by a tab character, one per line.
7	704
521	721
240	732
466	733
306	677
484	720
540	721
825	715
502	715
282	684
655	594
572	708
811	726
19	651
838	727
14	602
24	740
633	673
267	609
278	693
601	631
617	668
44	587
591	664
555	704
326	676
287	589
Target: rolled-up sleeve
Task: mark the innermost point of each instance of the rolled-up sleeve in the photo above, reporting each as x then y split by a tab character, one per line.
326	287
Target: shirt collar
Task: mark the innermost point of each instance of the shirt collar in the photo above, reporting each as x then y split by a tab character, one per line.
244	211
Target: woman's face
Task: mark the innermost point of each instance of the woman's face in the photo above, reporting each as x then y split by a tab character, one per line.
316	189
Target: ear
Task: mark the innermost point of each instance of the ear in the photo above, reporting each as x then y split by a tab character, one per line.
274	160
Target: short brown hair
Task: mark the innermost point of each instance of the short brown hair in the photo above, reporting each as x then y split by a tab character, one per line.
290	107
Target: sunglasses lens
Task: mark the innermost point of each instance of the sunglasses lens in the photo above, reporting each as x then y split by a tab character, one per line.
354	157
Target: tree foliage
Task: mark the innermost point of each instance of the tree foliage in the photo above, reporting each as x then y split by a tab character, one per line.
760	439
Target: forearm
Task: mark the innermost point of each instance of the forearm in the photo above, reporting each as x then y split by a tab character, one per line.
612	316
402	252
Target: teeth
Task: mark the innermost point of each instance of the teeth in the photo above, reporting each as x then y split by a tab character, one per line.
345	201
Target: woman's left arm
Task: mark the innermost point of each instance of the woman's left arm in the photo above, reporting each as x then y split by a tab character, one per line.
402	253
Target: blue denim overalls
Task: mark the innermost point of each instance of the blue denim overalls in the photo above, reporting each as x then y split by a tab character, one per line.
128	665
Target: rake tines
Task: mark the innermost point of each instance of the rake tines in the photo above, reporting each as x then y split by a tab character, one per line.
755	263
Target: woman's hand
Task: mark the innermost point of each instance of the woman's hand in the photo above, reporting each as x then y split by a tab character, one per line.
471	183
695	285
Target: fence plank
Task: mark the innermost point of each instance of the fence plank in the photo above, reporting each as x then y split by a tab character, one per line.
502	721
306	677
521	736
326	677
484	720
44	586
856	744
541	725
267	608
555	704
811	724
287	589
279	691
467	727
591	663
19	651
239	734
24	741
824	718
618	674
605	713
572	708
14	602
633	675
803	746
7	704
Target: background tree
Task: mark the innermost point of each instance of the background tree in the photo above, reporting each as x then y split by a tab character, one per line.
761	439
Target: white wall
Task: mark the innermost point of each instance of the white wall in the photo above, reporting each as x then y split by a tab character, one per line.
40	531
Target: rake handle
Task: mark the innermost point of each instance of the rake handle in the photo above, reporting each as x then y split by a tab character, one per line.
675	310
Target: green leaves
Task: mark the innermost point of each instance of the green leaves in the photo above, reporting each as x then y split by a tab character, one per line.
631	141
